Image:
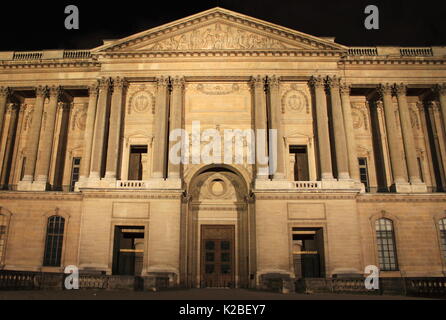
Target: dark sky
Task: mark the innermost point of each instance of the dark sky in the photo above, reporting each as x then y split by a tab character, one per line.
40	25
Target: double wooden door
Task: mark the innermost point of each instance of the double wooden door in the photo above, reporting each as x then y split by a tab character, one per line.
217	256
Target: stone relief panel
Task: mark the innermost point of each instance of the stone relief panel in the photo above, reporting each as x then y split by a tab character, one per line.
360	116
79	118
218	36
213	98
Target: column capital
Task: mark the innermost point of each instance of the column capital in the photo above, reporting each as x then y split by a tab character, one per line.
384	90
4	92
162	82
400	89
55	92
333	82
257	82
178	82
42	91
104	83
316	82
273	82
345	88
93	89
440	89
119	83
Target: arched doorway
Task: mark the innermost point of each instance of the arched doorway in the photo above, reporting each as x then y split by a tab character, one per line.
217	230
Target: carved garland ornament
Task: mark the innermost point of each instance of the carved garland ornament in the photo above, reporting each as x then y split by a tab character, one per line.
217	89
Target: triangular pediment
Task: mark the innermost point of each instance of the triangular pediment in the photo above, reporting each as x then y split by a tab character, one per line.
218	29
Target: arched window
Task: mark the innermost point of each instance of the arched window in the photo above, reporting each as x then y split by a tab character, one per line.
442	224
54	241
385	238
3	234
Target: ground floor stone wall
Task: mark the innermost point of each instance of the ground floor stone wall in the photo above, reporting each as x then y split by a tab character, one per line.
345	221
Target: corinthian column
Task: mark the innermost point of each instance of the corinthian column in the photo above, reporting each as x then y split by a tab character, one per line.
88	134
4	94
114	135
276	123
99	130
395	150
339	130
441	91
12	110
176	118
258	86
161	118
34	134
408	138
46	144
322	128
349	132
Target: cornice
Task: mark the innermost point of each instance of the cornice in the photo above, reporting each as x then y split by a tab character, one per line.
392	61
39	196
46	64
219	53
428	197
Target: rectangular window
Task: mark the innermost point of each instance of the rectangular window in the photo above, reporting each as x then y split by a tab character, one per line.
135	162
364	173
299	163
75	169
385	238
2	237
443	237
54	241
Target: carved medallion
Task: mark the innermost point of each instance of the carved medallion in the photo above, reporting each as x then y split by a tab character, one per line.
295	100
141	101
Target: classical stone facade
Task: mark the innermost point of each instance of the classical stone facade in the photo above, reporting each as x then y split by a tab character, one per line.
360	172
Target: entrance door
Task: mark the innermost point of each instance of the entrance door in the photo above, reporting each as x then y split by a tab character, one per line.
128	250
308	252
217	256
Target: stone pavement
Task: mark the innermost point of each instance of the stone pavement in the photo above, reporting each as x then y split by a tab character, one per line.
189	294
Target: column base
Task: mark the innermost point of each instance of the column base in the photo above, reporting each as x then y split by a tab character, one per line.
33	186
267	184
406	187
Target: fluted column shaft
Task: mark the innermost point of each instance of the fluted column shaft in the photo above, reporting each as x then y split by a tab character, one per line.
4	94
322	128
339	130
13	112
114	135
99	129
408	137
276	123
34	134
260	120
392	134
349	132
176	118
441	91
161	118
89	132
46	143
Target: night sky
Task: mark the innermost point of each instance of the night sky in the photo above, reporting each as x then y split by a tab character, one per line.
40	25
